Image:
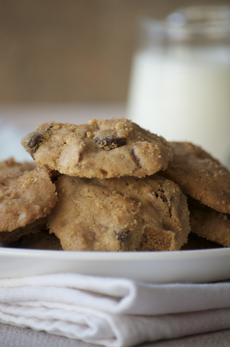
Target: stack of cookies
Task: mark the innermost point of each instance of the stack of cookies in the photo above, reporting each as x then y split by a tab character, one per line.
110	185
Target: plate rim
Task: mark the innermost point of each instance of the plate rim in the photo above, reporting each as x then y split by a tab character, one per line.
118	256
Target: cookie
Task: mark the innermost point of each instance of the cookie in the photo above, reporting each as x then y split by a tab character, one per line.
101	149
200	176
119	214
12	168
209	224
163	210
89	217
26	198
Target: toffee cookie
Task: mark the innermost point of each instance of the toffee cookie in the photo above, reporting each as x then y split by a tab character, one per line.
200	176
209	224
101	148
12	168
26	198
119	214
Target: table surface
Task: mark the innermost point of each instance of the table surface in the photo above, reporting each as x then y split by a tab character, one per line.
11	336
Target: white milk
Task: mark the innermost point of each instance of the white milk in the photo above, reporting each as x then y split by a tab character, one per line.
184	98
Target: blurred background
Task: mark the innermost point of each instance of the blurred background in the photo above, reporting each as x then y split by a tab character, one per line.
74	60
72	51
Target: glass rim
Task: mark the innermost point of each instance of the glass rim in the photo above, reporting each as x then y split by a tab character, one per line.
210	21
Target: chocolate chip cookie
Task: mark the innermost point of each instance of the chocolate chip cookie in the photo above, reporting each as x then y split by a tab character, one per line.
163	210
26	198
119	214
209	224
200	176
89	217
101	149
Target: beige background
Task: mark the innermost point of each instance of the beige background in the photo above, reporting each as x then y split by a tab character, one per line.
68	51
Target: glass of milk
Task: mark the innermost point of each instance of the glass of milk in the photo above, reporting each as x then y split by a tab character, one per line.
180	80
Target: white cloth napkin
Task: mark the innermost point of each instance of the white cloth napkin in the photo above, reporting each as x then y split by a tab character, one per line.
111	311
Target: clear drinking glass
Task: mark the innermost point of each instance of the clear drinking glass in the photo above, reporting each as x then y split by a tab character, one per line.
180	81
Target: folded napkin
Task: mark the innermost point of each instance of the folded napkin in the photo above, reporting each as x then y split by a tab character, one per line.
111	311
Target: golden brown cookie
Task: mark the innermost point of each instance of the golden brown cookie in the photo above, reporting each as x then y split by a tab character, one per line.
89	217
209	224
26	198
200	176
119	214
164	211
12	168
101	148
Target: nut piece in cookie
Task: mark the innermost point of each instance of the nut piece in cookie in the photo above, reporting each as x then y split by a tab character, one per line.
163	210
101	149
209	224
26	198
200	176
89	217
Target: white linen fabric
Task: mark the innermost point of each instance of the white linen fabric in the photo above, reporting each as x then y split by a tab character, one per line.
111	311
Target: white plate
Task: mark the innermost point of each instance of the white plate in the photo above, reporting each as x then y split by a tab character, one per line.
154	267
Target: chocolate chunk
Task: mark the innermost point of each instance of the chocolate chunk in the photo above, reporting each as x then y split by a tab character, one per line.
163	198
136	157
34	143
161	195
122	235
109	142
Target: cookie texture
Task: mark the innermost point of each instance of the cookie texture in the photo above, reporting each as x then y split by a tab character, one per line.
11	168
163	210
200	176
89	217
101	149
26	198
119	214
209	224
